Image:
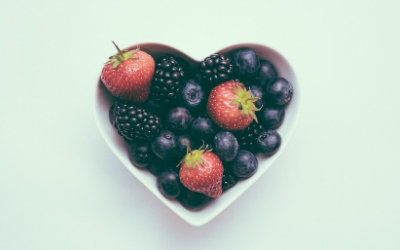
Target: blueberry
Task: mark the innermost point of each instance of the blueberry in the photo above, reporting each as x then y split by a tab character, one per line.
192	96
279	92
193	200
140	154
154	107
266	75
165	145
203	129
257	91
168	183
182	148
226	146
245	164
158	165
178	119
271	117
245	63
268	142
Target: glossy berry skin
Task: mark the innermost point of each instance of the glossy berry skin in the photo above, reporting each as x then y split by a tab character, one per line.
155	107
257	91
245	164
266	75
165	145
203	128
279	92
246	63
130	80
231	106
216	69
271	116
193	201
140	153
178	119
182	148
167	80
192	96
158	165
228	181
247	137
269	142
226	146
168	183
133	122
203	173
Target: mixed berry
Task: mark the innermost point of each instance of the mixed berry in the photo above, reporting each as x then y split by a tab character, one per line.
197	129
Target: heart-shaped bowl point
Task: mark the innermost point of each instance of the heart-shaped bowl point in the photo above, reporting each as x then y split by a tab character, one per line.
103	100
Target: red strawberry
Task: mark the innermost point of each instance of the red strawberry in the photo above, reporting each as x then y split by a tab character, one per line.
127	75
201	171
231	106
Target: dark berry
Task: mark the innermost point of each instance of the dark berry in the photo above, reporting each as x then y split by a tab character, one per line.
193	200
203	129
111	114
271	117
155	107
165	145
257	91
134	122
226	145
140	153
216	69
178	119
192	96
182	147
269	142
279	92
247	137
228	180
245	63
245	164
156	166
167	80
168	183
266	75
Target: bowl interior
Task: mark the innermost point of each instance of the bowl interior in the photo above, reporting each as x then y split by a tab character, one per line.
103	101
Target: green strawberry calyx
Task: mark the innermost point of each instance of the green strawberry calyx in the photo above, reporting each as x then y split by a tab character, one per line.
245	101
193	157
121	56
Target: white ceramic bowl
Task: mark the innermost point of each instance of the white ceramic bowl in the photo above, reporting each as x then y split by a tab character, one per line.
103	101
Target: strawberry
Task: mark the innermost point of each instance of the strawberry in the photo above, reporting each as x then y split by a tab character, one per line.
231	106
127	75
201	171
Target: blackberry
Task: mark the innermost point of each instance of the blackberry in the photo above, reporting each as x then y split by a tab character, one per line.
228	181
133	121
168	78
216	69
247	137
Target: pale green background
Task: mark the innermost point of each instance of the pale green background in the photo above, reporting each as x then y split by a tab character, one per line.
336	186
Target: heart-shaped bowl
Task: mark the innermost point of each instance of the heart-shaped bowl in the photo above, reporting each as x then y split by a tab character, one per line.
103	100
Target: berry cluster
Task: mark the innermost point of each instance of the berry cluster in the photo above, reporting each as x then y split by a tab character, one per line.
198	130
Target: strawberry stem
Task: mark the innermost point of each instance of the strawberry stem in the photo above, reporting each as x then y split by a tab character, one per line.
188	149
119	51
